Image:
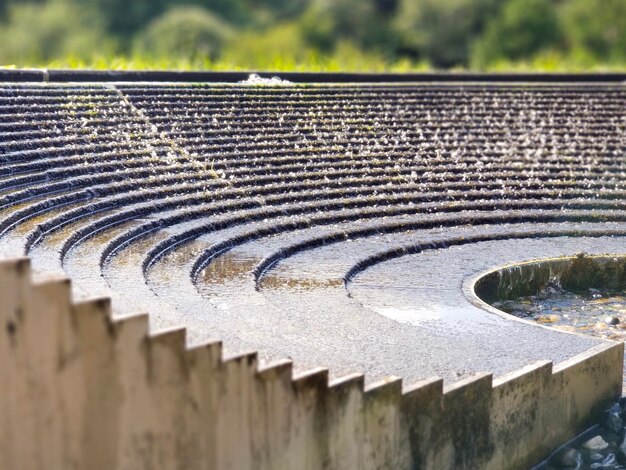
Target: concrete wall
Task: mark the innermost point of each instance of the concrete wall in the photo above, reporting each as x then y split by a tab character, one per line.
574	273
81	391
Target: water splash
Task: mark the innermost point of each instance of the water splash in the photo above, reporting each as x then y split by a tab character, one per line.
255	79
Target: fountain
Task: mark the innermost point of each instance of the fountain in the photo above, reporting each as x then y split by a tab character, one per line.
343	225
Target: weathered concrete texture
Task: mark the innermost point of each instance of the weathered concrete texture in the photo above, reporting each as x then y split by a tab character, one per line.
575	274
82	391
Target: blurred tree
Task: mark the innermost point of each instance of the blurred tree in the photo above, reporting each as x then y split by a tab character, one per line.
441	30
126	17
521	29
365	23
597	27
279	47
41	32
277	10
234	11
191	32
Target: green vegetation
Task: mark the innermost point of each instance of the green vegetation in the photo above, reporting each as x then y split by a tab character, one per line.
191	32
521	29
315	35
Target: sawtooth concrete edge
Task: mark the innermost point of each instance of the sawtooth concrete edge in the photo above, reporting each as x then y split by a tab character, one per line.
80	390
64	76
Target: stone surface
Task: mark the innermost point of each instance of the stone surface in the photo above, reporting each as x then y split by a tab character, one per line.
567	458
596	443
612	421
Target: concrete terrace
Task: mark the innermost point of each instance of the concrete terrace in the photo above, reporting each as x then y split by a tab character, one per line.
330	219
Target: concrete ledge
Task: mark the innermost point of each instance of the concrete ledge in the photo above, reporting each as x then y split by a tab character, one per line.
22	75
574	273
52	75
82	391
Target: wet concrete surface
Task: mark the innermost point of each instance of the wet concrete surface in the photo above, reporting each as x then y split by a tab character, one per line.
333	226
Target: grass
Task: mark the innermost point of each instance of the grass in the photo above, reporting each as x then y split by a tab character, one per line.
346	59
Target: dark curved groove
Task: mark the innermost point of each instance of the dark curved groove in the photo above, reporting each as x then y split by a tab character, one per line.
394	117
56	142
149	228
432	186
399	114
284	133
457	241
54	103
300	110
20	126
425	93
407	128
56	133
64	201
206	257
20	216
56	118
245	169
252	139
221	163
90	210
250	131
101	169
162	201
267	264
600	164
365	114
355	101
80	168
74	184
550	170
94	149
354	108
255	192
257	121
276	197
13	169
